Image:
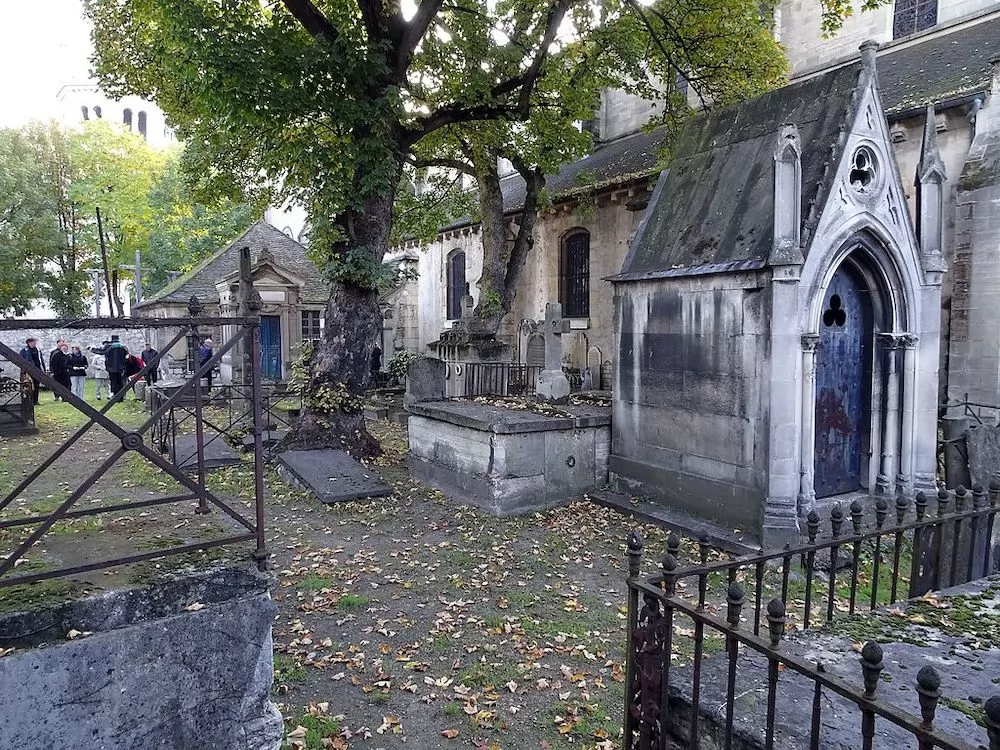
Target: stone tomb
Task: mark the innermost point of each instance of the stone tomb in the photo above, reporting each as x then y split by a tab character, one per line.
333	476
508	460
217	452
778	322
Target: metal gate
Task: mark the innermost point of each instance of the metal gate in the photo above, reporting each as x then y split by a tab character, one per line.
193	486
843	384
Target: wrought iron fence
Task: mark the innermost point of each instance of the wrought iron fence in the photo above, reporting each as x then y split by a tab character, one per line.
918	555
137	441
228	416
17	411
499	379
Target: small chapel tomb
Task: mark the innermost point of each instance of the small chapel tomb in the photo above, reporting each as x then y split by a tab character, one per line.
778	314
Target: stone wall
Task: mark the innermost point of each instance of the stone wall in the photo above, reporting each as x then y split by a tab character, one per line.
134	339
150	670
798	28
690	420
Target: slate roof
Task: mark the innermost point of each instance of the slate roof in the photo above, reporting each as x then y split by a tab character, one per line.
201	279
943	67
612	163
714	205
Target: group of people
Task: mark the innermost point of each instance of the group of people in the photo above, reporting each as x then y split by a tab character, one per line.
112	366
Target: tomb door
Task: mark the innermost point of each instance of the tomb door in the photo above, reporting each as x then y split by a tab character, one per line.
270	346
843	384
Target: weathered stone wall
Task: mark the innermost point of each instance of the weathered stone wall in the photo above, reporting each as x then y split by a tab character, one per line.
152	671
690	423
974	348
798	28
134	339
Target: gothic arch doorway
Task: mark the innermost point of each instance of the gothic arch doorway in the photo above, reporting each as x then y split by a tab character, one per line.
844	380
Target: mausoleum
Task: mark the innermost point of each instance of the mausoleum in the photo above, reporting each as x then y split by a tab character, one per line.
778	314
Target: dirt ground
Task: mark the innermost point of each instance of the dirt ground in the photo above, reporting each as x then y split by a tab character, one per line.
407	621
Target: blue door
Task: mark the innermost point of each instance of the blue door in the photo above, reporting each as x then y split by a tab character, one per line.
843	384
270	346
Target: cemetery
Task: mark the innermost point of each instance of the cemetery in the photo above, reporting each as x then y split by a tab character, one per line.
682	469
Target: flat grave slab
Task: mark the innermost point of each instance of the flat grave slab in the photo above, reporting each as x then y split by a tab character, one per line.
269	437
332	475
218	453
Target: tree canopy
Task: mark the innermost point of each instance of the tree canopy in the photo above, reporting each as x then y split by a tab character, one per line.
327	102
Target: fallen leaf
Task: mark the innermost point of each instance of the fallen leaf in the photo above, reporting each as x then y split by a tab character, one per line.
449	733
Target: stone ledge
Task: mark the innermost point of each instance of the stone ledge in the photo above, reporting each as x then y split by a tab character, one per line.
505	421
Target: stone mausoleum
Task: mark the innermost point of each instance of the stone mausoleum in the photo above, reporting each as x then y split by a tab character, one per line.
778	314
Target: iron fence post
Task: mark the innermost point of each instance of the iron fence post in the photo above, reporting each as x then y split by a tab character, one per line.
928	692
633	546
260	553
776	628
871	668
993	721
735	597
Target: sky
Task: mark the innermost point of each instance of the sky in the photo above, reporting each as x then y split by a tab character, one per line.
44	45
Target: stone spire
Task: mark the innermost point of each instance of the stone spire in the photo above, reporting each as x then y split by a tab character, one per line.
787	197
930	181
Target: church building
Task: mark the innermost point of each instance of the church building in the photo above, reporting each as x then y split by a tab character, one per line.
778	318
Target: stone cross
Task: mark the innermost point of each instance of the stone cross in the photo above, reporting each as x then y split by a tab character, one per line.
555	326
553	386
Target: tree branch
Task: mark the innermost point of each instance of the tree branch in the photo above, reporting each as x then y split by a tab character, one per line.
413	32
453	114
371	17
312	20
445	163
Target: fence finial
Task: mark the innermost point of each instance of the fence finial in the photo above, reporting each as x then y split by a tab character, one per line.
704	545
902	505
943	496
633	546
871	667
669	566
993	721
978	496
836	519
928	684
960	494
812	526
881	511
735	597
776	620
857	515
674	545
921	505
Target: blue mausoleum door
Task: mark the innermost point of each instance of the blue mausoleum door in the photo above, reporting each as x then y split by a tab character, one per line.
843	384
270	346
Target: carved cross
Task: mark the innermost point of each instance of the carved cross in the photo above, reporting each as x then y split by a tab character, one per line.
555	326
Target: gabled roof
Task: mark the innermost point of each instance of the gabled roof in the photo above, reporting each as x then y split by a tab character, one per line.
202	279
714	205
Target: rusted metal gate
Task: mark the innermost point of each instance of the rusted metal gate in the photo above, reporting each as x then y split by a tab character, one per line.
245	333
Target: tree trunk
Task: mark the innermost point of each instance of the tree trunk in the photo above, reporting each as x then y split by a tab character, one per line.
503	256
119	304
333	402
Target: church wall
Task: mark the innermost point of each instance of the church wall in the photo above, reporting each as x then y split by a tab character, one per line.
798	28
689	425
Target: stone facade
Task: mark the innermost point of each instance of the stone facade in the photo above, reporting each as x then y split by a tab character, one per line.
726	293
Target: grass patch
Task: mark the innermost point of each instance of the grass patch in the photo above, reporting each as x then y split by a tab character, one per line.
318	729
549	627
483	675
287	671
352	601
313	582
31	596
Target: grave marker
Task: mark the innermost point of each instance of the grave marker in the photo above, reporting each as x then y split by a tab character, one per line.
553	385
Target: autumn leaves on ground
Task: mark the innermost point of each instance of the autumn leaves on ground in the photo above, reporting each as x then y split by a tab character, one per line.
414	621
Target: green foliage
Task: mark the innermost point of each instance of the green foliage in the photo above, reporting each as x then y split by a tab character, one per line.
835	11
400	364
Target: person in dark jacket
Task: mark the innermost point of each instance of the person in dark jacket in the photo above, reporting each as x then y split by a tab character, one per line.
148	354
59	365
52	359
204	354
77	371
32	356
115	355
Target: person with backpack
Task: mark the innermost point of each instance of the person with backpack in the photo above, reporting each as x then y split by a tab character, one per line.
77	367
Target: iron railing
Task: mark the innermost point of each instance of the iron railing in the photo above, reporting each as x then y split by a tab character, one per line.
923	554
231	421
193	487
499	379
17	410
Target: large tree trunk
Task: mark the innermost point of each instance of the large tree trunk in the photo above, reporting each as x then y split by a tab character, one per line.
503	256
333	401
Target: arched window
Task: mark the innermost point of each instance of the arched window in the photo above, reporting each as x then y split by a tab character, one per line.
574	274
142	123
127	118
456	283
86	112
911	16
97	112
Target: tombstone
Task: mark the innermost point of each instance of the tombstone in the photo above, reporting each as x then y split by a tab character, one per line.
553	385
425	380
535	356
607	376
578	355
586	379
594	365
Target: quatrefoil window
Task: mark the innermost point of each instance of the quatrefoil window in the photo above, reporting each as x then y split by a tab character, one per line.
835	315
864	170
